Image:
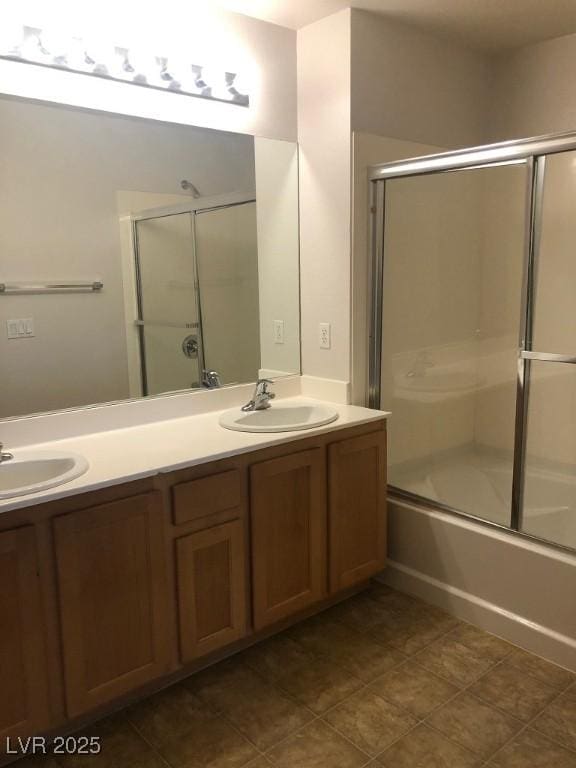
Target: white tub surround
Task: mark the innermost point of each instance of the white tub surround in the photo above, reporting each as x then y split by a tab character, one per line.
135	451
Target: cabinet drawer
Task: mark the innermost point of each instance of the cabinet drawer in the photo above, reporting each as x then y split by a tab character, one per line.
206	496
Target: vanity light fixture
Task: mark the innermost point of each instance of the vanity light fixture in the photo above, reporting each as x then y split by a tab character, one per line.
33	45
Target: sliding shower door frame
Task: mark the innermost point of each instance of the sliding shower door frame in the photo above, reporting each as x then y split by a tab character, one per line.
192	208
140	322
531	153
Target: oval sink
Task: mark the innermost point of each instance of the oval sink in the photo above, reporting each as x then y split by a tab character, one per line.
36	471
288	417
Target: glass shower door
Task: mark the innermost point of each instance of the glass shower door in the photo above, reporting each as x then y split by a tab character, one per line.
549	498
453	261
227	257
170	330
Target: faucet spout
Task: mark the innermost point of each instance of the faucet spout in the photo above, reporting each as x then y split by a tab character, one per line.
261	397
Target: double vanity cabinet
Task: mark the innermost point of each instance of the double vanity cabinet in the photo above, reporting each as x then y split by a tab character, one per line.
110	594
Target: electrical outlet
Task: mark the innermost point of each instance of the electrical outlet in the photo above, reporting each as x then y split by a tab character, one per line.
278	326
325	340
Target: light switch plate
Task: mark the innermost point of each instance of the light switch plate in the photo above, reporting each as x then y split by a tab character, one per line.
20	328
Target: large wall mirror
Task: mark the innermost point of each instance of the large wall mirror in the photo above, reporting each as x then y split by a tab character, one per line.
139	258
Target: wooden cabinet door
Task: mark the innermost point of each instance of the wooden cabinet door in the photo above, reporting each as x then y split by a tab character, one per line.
23	671
212	586
357	509
288	511
112	581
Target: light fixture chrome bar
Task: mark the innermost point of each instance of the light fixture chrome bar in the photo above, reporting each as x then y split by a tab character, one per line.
71	53
502	153
17	288
548	357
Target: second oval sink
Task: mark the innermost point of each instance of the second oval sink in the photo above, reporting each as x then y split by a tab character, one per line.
288	417
35	471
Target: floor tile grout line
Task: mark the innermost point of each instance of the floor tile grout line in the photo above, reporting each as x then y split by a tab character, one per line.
413	657
504	711
222	715
367	685
461	685
424	721
531	722
146	741
419	720
539	679
349	740
461	689
219	715
426	644
528	725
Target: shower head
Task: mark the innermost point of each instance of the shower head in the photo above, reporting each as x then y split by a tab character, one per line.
189	187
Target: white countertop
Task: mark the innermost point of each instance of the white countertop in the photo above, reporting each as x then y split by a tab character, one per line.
132	453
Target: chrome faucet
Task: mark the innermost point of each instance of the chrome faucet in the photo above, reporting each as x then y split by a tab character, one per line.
261	397
211	379
4	455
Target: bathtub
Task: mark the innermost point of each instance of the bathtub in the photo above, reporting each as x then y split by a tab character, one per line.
517	587
481	485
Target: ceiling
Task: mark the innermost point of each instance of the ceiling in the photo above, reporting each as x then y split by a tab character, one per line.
489	25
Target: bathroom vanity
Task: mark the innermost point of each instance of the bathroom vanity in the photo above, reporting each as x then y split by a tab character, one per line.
120	585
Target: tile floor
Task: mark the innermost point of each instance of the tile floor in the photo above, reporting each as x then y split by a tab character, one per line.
381	680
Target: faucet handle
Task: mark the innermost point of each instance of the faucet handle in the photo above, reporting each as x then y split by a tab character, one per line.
262	386
4	455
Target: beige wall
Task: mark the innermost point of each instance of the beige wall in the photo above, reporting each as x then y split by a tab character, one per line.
278	253
325	192
60	170
410	85
359	71
533	91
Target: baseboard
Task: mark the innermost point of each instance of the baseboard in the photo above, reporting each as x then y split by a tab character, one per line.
534	637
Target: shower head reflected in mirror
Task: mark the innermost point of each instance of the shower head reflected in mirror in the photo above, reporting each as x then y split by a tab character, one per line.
189	187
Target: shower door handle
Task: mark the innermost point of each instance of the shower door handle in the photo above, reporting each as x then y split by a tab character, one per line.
548	357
